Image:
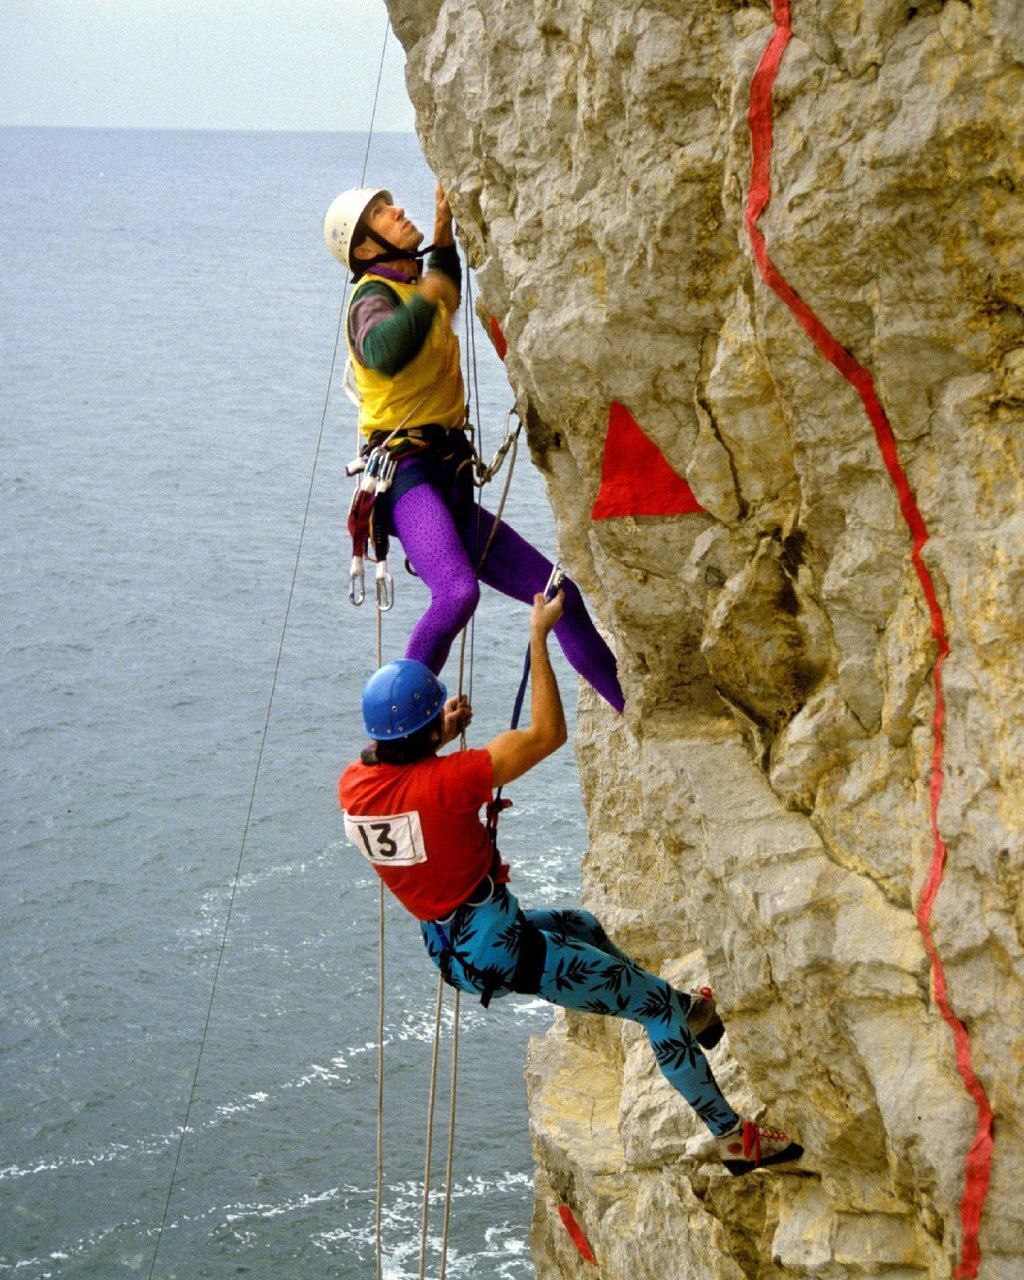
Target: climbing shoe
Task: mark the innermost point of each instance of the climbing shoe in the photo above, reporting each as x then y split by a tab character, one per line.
702	1018
751	1147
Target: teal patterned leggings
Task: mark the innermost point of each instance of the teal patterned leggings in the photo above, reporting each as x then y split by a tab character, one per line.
479	948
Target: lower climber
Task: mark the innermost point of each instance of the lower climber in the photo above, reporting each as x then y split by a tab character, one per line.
416	816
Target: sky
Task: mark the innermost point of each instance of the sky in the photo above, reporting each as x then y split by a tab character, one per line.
200	64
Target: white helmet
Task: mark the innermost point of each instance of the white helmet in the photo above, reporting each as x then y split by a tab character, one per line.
343	216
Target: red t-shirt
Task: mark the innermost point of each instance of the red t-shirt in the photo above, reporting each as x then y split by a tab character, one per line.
419	826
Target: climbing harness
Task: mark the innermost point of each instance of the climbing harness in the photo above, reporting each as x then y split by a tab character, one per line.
524	972
374	469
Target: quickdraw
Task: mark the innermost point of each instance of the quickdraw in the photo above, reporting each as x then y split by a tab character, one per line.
485	473
377	470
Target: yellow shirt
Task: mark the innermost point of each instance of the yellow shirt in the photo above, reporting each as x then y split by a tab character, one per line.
428	389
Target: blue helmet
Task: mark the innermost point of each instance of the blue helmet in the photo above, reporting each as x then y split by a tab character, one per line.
401	698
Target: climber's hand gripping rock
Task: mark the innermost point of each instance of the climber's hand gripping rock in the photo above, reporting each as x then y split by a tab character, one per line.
435	285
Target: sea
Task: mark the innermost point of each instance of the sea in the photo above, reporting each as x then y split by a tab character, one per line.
168	317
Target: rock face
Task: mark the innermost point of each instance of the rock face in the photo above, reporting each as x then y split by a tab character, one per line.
761	815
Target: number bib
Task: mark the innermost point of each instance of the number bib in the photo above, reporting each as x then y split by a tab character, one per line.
392	841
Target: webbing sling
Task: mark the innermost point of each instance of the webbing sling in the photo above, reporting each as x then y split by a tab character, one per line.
497	805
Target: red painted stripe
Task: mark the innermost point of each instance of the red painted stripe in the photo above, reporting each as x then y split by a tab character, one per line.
978	1162
498	338
576	1233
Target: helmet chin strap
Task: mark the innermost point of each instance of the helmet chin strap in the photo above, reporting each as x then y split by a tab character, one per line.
392	253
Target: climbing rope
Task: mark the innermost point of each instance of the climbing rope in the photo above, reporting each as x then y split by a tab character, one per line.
478	442
366	161
432	1093
262	745
484	474
450	1161
376	480
381	974
431	1098
249	809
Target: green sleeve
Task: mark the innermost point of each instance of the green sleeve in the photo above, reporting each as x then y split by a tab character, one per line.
387	334
446	260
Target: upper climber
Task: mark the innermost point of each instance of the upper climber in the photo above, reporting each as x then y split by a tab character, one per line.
405	357
415	816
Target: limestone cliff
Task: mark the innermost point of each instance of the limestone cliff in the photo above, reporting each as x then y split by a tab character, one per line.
762	814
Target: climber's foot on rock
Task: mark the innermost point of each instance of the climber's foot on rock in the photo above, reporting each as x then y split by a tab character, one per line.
702	1018
750	1147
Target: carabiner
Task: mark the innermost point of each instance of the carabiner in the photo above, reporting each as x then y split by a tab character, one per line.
487	472
385	586
386	474
373	462
356	581
554	583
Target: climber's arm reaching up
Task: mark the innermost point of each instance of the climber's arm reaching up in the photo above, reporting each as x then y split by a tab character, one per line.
516	751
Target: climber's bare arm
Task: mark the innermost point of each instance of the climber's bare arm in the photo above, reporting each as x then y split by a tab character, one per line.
515	752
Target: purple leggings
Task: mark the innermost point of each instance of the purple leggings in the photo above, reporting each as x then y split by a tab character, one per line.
443	549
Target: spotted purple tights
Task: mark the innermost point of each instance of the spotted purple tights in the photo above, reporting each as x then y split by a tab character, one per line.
444	549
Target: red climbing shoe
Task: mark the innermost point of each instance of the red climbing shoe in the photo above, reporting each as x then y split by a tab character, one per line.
703	1020
751	1147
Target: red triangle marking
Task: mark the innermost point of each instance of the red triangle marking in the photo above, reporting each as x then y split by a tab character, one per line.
636	479
498	338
